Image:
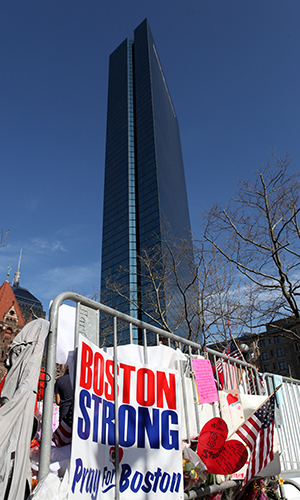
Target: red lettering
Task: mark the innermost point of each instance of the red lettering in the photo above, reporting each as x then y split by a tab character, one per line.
163	388
145	390
85	369
109	385
98	380
126	382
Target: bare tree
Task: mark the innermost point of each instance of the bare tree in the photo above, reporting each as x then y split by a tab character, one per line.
258	232
189	292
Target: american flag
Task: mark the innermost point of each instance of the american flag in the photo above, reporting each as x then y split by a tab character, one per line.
257	432
252	380
63	434
232	351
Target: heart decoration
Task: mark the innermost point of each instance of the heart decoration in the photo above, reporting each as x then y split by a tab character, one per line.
213	434
112	454
232	398
220	456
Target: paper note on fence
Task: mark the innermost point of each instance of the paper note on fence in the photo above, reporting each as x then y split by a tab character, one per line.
205	381
231	409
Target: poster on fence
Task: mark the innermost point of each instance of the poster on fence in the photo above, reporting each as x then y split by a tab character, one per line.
231	409
150	452
206	385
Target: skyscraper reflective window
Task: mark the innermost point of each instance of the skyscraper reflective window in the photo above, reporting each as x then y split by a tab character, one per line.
145	196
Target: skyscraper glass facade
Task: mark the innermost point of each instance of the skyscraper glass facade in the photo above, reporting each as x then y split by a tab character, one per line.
144	189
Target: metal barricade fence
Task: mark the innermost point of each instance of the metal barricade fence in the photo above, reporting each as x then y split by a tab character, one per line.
233	372
287	421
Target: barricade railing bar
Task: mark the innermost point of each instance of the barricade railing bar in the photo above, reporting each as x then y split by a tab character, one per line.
235	374
287	421
51	359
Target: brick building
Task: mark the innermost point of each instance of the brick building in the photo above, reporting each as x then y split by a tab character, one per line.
11	321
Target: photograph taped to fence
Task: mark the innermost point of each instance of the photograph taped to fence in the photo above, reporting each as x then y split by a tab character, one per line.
150	453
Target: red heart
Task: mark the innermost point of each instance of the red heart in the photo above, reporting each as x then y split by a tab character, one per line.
112	454
228	459
220	456
213	434
231	399
211	440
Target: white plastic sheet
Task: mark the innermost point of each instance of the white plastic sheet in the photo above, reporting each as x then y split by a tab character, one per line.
51	488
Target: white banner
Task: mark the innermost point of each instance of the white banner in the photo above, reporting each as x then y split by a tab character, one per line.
149	430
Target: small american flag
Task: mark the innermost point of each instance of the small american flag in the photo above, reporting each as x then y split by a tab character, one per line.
252	383
63	434
232	351
257	432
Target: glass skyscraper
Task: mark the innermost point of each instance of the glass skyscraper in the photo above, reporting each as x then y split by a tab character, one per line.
145	197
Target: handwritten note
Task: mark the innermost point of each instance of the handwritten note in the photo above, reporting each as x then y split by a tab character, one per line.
228	459
205	381
220	456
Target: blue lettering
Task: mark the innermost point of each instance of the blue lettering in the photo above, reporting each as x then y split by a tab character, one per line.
96	484
77	473
148	485
165	426
141	427
97	402
145	425
128	413
103	475
89	481
124	482
91	476
174	477
136	481
108	477
108	417
85	471
157	475
163	487
84	400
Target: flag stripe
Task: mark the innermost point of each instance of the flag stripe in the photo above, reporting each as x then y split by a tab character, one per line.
62	435
257	433
231	351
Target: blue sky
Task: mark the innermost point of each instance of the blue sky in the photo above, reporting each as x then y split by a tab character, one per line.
232	68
